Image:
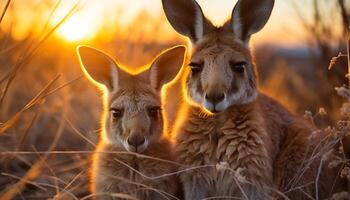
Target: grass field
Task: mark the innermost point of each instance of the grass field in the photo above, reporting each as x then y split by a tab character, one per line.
50	113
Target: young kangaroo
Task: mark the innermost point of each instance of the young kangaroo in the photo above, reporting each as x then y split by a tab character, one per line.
132	124
252	135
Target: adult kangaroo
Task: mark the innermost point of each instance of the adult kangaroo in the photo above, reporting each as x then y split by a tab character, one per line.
258	146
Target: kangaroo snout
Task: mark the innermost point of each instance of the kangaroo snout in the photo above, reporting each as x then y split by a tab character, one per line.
215	101
136	140
215	97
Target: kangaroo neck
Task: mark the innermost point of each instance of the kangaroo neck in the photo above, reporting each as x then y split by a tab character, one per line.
234	111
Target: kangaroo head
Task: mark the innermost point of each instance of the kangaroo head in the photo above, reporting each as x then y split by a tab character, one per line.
221	72
133	117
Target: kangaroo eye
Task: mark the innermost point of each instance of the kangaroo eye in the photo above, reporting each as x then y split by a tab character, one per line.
116	113
238	67
196	67
153	111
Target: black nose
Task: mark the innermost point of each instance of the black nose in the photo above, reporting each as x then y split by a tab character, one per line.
214	98
136	140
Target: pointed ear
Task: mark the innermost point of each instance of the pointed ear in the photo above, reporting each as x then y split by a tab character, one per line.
98	66
249	17
187	18
166	66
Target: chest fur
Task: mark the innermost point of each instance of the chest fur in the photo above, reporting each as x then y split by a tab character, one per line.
134	167
121	172
238	140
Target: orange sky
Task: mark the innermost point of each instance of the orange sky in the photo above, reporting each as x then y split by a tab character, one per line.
276	31
283	27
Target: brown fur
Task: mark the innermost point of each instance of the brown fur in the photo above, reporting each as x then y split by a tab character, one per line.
115	173
275	149
262	137
132	128
298	154
235	136
111	175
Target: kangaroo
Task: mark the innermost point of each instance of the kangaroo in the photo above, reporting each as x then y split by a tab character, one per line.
132	128
258	146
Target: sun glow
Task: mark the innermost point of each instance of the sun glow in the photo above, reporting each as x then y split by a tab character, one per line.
76	28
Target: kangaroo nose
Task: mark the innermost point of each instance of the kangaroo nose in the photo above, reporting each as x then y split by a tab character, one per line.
136	140
214	98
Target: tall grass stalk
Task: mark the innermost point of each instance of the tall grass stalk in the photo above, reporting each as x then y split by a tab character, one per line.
4	11
31	52
35	170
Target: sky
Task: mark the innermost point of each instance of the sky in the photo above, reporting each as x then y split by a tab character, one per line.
278	29
283	27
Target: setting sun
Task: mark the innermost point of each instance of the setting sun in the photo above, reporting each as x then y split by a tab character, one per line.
175	99
75	29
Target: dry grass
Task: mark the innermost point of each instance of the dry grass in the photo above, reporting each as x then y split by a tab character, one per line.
49	116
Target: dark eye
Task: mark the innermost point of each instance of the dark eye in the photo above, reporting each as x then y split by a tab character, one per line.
196	67
153	111
238	67
116	113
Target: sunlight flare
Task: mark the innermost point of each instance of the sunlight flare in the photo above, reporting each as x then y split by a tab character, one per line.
77	28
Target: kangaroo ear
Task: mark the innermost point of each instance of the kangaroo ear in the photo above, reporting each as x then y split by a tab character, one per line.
249	17
98	66
166	66
187	18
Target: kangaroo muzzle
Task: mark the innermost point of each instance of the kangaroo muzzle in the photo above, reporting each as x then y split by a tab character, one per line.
136	129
